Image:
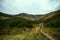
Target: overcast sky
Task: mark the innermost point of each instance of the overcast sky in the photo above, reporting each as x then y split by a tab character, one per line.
29	6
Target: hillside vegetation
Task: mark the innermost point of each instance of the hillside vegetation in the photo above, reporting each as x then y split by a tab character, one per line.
23	24
53	21
52	24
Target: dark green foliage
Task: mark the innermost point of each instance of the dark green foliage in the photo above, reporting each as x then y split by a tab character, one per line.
13	21
53	21
8	24
16	23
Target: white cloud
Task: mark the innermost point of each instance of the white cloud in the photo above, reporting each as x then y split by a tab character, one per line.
30	6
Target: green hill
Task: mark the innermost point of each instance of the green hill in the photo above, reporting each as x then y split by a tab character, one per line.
30	16
53	21
8	22
52	24
22	25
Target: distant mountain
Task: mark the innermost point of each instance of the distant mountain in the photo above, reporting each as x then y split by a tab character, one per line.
30	16
22	15
52	19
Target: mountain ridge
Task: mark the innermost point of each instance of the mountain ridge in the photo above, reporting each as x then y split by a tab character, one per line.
29	16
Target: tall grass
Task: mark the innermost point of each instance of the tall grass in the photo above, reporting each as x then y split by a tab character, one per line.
54	32
18	34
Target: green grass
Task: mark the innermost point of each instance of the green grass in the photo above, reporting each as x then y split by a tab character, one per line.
36	35
54	32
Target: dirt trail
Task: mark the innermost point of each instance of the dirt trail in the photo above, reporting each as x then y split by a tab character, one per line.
48	36
45	34
36	29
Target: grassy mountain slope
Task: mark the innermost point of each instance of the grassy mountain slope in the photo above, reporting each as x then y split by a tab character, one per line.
22	24
53	21
52	24
14	22
30	16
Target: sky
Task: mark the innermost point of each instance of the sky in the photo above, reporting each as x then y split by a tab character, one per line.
29	6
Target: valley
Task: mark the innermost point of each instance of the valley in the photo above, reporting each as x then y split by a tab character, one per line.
26	26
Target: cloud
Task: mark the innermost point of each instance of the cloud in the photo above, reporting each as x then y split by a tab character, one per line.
29	6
